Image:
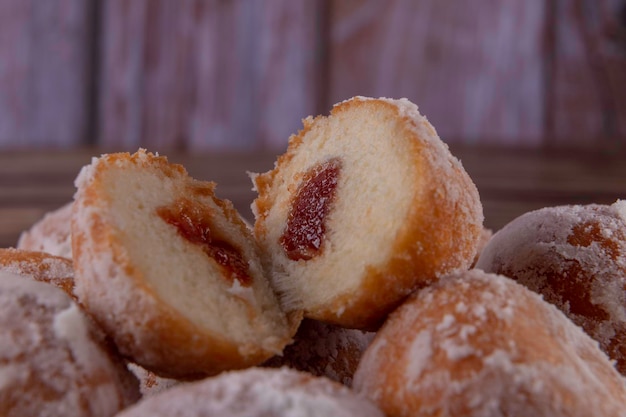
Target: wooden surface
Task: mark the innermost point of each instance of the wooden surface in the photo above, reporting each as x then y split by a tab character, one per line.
586	72
45	72
510	182
205	74
241	74
474	69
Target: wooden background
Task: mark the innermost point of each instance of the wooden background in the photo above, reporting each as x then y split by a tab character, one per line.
240	74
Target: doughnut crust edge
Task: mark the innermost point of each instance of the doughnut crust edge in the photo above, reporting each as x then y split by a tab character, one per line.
53	360
575	256
156	307
478	344
413	211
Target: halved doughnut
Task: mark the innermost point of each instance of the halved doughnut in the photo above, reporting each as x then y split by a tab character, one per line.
365	206
170	271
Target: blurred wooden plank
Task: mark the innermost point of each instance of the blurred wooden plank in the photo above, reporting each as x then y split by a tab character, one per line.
205	74
510	182
33	183
128	72
499	212
14	220
291	66
545	174
588	74
44	72
474	68
501	208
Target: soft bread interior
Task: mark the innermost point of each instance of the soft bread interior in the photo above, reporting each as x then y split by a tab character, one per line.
370	205
179	272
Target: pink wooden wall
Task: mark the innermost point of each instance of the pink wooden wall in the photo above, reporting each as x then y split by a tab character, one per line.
229	74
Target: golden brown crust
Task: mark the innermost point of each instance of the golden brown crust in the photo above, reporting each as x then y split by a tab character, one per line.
54	362
440	233
476	344
263	181
41	266
144	324
163	326
444	246
575	256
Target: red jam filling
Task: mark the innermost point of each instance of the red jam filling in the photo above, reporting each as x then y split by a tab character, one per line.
193	223
303	237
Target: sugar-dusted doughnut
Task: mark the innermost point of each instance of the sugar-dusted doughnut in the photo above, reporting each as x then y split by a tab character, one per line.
50	234
41	266
485	237
478	344
150	383
325	350
257	392
365	206
575	256
52	361
169	271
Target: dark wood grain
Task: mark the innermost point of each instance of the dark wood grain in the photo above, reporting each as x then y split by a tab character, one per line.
589	74
510	182
474	68
44	72
201	74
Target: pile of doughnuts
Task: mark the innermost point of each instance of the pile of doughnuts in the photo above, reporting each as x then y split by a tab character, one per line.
367	285
575	257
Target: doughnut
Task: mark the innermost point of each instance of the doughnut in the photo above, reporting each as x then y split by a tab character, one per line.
365	206
41	266
479	344
256	392
485	236
324	350
52	363
50	234
150	383
169	271
575	257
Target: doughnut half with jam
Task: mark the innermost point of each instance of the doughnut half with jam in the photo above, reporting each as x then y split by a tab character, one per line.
366	205
170	271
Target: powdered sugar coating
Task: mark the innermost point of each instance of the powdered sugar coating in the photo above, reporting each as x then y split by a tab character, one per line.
50	362
150	383
620	208
260	392
51	234
41	266
575	256
405	212
444	164
169	305
478	344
